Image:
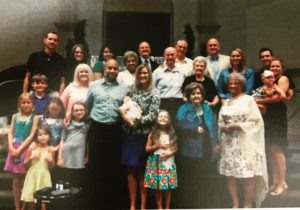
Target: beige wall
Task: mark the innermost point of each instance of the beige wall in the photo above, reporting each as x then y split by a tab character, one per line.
25	22
244	23
253	24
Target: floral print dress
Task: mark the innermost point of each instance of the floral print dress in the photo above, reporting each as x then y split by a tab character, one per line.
159	175
243	151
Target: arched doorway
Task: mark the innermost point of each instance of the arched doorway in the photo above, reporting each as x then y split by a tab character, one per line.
127	23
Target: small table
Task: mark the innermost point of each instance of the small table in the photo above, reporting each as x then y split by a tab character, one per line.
57	199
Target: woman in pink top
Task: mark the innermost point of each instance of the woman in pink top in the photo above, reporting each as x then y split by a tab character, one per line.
77	90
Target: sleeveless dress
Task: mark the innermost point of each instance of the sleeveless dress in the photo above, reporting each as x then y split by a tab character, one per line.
21	131
37	177
276	123
159	174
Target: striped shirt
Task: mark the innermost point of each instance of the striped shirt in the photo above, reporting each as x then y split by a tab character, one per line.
104	99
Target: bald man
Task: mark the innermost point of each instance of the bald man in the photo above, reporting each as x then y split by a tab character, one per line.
216	62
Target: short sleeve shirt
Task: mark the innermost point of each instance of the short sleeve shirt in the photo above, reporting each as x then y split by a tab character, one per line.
53	66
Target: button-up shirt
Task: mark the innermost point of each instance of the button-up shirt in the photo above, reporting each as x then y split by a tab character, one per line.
104	99
168	82
186	66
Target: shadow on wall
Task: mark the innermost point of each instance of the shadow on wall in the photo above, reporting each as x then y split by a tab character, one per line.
11	82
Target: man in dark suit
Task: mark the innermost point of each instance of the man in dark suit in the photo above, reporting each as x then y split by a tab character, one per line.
144	58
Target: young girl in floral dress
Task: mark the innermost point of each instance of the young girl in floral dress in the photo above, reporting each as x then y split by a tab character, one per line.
160	172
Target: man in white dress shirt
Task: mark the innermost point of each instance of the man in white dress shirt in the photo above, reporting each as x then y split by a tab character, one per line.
216	62
168	80
183	63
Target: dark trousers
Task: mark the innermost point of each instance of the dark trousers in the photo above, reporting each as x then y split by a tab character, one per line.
106	176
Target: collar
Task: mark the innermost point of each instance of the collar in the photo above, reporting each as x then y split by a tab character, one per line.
39	97
181	61
171	70
105	82
216	58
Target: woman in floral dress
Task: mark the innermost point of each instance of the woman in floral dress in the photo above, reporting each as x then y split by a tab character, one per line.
242	145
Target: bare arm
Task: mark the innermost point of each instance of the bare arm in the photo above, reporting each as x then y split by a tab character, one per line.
12	151
26	82
60	162
214	102
50	158
149	146
62	85
28	140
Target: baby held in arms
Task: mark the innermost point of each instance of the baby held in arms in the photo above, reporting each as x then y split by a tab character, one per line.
268	90
130	111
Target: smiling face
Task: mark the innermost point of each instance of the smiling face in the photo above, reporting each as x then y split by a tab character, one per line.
144	49
107	54
276	67
39	86
235	58
213	47
26	105
163	118
54	110
131	64
169	56
78	54
43	137
235	87
144	78
196	96
111	70
78	112
181	48
265	58
83	75
199	68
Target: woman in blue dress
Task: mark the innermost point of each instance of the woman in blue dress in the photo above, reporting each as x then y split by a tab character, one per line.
136	132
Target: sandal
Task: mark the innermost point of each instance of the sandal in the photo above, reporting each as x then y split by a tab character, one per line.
279	190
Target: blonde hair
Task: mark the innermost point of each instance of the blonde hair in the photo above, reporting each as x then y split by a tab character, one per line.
23	96
138	85
78	68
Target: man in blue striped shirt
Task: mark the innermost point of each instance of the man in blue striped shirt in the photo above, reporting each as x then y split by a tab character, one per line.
106	177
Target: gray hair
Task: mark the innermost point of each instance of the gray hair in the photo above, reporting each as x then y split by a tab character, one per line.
128	54
77	69
200	59
237	76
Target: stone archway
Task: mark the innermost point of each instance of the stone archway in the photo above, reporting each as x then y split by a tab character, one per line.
127	23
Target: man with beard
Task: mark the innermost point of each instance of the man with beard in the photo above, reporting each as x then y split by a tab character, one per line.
105	175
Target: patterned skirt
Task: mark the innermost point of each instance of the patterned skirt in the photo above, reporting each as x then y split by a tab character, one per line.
157	176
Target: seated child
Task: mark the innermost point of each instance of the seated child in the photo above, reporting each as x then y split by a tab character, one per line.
268	90
131	111
41	99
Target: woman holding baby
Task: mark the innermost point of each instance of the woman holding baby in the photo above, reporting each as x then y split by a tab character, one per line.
137	127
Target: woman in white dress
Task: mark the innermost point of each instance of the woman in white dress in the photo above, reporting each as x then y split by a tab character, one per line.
242	145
